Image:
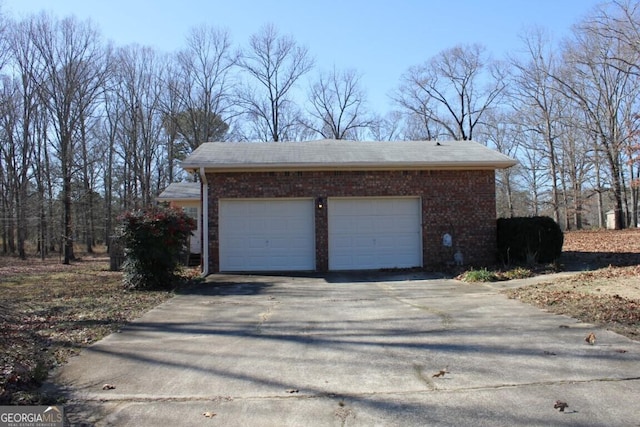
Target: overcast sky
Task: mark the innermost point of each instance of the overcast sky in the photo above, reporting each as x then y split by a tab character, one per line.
380	39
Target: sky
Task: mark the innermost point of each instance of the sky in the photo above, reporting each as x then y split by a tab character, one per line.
380	39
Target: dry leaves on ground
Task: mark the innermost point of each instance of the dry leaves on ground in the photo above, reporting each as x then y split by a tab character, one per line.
608	296
605	241
49	311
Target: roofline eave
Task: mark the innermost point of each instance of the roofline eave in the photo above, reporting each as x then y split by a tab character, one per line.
177	199
284	167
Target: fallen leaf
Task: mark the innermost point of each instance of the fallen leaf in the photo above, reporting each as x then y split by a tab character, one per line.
209	414
108	387
441	373
292	390
591	338
560	405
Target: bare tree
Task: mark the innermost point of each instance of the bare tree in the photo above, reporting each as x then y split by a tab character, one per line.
109	131
13	166
631	150
4	38
504	132
171	106
541	105
386	128
606	92
448	90
616	25
618	21
202	88
71	57
89	160
274	63
139	85
23	139
418	108
535	165
337	105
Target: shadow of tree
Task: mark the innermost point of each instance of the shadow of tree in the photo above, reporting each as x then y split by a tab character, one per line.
268	334
585	261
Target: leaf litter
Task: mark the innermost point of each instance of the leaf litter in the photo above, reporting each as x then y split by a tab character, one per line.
608	295
50	311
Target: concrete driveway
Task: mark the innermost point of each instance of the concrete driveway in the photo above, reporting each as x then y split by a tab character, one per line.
353	350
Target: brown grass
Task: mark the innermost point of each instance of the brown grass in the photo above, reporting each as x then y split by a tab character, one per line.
609	294
50	311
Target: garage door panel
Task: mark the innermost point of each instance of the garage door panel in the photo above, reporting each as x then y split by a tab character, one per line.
266	235
291	225
372	233
252	243
366	225
272	226
344	227
404	224
405	244
388	242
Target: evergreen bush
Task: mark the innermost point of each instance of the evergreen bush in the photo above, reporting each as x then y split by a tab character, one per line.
153	241
529	240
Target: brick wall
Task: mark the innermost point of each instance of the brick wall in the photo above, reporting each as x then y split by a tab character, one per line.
461	203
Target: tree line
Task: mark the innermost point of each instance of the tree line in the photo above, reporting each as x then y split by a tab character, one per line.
89	130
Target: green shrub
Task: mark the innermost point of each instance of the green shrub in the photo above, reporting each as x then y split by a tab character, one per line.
153	240
529	240
482	275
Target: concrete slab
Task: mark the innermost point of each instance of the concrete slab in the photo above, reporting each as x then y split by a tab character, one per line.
352	350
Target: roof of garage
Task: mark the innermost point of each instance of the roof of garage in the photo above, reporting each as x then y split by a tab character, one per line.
330	154
180	191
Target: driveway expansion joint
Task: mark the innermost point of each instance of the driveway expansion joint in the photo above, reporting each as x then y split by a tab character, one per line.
333	396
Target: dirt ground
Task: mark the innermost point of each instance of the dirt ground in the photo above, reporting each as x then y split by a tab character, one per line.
606	289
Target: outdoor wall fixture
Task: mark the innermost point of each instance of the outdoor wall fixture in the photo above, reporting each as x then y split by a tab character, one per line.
320	203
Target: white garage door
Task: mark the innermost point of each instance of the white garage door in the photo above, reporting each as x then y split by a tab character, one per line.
373	233
267	235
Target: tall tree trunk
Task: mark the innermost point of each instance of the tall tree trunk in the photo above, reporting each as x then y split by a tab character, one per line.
565	201
21	200
88	196
596	164
618	202
4	213
613	158
509	194
635	186
554	180
108	191
51	230
66	200
577	203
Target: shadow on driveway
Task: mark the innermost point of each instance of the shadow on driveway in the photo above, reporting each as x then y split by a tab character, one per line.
338	350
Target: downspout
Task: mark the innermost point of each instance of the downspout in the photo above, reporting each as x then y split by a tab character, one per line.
204	200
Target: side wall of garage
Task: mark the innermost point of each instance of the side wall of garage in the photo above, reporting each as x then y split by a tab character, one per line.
458	203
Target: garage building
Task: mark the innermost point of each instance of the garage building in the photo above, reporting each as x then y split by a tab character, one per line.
344	205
